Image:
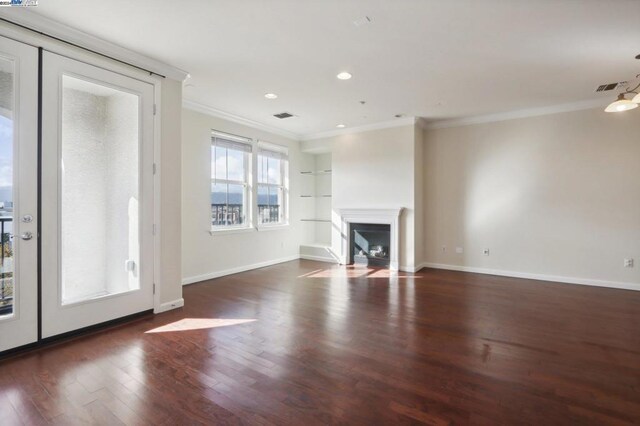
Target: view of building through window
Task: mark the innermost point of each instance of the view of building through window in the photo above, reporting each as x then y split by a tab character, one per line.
229	181
271	170
231	188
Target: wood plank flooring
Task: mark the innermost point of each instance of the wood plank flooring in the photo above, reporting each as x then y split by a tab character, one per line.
311	343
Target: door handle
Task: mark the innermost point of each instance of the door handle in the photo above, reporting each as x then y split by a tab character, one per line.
26	235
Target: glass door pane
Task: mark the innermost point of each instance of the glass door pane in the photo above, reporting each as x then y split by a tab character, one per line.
99	191
7	264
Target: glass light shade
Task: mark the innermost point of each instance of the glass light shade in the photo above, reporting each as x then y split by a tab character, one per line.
636	99
622	104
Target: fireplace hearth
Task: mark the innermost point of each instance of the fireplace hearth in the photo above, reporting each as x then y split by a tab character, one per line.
370	244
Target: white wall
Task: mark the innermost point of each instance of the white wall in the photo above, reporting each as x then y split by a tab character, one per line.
169	278
419	195
556	195
204	255
375	169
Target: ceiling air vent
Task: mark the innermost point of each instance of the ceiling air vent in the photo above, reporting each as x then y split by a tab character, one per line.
283	115
610	86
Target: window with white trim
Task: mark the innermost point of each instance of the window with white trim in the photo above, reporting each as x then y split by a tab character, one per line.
272	184
230	181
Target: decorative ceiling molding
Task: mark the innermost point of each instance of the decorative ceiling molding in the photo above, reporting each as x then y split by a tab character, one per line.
422	122
47	27
205	109
511	115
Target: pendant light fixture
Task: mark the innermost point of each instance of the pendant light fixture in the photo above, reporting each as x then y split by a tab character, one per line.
622	104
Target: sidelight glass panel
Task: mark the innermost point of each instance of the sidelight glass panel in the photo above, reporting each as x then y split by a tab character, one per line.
99	213
7	258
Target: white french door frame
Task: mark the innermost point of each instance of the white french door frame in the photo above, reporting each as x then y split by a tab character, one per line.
45	43
21	328
60	317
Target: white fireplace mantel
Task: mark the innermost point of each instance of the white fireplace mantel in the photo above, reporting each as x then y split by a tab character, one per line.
389	217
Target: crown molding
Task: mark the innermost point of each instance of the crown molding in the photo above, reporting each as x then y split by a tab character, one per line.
48	27
400	122
421	122
512	115
206	109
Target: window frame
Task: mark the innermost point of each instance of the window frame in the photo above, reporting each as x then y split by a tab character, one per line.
283	153
246	184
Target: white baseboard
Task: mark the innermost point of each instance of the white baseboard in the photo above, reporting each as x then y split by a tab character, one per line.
174	304
318	258
411	269
218	274
531	276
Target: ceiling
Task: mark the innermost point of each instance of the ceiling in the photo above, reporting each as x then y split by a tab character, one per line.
437	59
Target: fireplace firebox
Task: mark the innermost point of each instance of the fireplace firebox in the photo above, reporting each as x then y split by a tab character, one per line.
370	244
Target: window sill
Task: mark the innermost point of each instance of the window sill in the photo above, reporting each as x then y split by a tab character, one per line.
230	231
277	227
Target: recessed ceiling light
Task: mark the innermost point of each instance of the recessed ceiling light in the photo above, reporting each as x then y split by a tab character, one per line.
341	126
344	76
271	96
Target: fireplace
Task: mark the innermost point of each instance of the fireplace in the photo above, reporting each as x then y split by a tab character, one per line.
370	244
389	217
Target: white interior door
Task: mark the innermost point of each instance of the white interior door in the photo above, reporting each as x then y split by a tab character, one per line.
97	195
18	194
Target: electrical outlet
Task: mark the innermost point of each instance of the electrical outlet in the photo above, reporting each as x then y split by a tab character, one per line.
485	252
628	263
459	250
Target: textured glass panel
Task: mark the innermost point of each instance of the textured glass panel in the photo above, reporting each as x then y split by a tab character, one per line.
7	260
99	196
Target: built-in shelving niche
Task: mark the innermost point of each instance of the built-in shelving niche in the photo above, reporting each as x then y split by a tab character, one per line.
315	206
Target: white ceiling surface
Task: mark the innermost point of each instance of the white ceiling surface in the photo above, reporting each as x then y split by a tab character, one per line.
437	59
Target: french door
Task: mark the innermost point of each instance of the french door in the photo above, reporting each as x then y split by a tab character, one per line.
18	194
96	195
76	198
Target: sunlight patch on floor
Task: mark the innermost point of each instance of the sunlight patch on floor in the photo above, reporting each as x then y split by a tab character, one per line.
356	272
187	324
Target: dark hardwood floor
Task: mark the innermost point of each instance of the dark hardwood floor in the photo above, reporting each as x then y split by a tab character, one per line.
311	343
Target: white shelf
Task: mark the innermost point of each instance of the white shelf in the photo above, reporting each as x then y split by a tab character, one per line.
317	245
316	173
